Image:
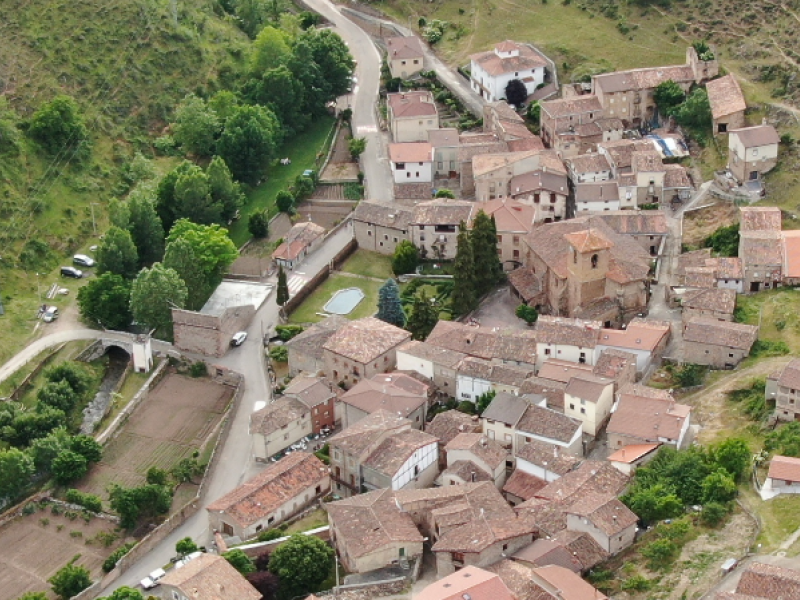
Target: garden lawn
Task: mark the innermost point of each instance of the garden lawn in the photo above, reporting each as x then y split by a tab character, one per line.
369	264
302	150
318	518
777	312
307	311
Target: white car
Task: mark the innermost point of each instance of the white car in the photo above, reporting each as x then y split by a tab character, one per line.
152	580
50	314
238	338
83	260
186	559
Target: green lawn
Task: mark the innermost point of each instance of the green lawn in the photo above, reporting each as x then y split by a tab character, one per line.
318	518
777	312
302	150
307	311
369	264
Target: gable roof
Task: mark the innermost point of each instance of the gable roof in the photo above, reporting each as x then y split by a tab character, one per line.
588	387
769	581
210	577
505	408
784	467
641	79
384	214
549	424
469	582
519	579
444	211
273	487
632	452
365	339
466	470
509	215
722	300
276	414
574	105
448	424
404	47
588	240
725	96
563	370
567	332
790	376
392	453
312	340
612	362
539	179
761	248
760	135
568	584
485	342
309	390
605	512
759	218
436	354
640	222
495	65
590	476
411	104
403	152
523	485
547	456
364	433
647	418
640	334
597	191
720	333
490	451
395	392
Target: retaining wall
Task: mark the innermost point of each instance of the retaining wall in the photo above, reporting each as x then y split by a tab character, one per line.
22	387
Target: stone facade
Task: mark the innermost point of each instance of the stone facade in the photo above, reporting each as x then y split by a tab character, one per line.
209	334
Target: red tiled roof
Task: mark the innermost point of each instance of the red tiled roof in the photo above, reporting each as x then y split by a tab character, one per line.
725	96
784	467
523	485
469	582
404	47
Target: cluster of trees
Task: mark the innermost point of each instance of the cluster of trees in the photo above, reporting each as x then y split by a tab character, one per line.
477	269
692	111
675	479
724	241
423	312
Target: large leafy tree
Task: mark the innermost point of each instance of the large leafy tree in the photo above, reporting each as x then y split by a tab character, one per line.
185	546
464	298
106	300
405	258
57	394
390	308
668	96
117	254
240	561
70	580
16	470
68	466
484	249
87	447
733	455
133	504
211	245
724	241
302	563
695	112
75	374
43	450
516	92
26	426
58	125
249	140
266	583
316	89
423	318
196	126
153	295
185	193
270	50
224	191
180	256
288	105
333	57
146	229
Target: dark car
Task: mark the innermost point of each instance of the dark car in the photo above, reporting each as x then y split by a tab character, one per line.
71	272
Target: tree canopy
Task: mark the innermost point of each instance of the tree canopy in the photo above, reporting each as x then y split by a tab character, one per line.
58	125
180	256
249	140
154	293
282	293
239	561
464	296
212	247
106	300
423	318
117	254
484	250
196	126
405	258
145	227
302	563
695	112
70	580
516	92
390	309
16	470
668	96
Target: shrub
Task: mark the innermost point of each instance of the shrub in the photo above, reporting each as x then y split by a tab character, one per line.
198	369
287	332
714	513
89	501
660	553
279	354
258	225
529	314
466	407
269	535
636	583
113	559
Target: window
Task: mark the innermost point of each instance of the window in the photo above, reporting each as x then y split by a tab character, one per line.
507	437
416	61
318	489
399	166
583	411
594	261
270	520
499	239
285	437
416	470
572	407
385	236
175	595
369	233
491	434
259	528
439	165
547	351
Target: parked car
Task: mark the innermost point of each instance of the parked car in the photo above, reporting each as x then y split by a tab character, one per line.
188	558
50	314
238	338
152	580
83	260
71	272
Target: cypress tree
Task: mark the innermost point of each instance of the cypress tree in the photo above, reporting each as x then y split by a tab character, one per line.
484	250
423	318
282	293
389	307
464	296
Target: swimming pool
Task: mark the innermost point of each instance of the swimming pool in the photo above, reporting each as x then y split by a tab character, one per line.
344	301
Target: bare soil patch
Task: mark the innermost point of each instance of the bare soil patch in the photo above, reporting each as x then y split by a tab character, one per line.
176	419
699	224
32	551
324	216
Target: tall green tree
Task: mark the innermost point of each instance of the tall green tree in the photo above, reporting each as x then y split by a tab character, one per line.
75	374
193	197
302	563
224	191
124	593
70	580
516	93
270	50
16	470
117	254
405	258
196	126
57	394
58	125
211	245
258	225
106	300
249	141
282	293
239	561
733	455
333	57
185	546
180	256
484	249
146	229
154	293
288	106
316	89
423	318
43	450
68	466
668	96
695	112
224	103
464	296
390	308
87	447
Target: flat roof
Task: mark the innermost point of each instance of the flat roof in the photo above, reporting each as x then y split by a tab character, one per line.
232	293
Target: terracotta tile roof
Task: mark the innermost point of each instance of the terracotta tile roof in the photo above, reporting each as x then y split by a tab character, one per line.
641	79
545	552
410	152
275	415
568	584
485	342
644	391
482	532
588	163
525	282
720	300
588	387
547	456
444	211
463	502
312	340
563	370
717	333
620	152
676	177
494	65
363	434
534	142
725	96
632	452
641	222
511	216
583	547
392	453
590	476
369	522
791	253
648	161
605	511
411	104
290	250
523	485
517	576
760	135
404	47
549	424
489	451
784	467
695	258
392	215
727	268
447	425
466	470
790	376
769	581
588	240
307	231
366	339
533	181
648	419
486	163
435	354
759	218
566	331
210	577
311	391
601	191
611	363
574	105
469	582
640	334
761	248
446	137
700	277
273	487
552	391
505	408
395	392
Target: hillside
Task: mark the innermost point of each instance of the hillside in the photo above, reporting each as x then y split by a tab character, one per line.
127	63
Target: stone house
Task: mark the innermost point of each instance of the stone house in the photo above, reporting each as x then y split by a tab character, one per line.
564	115
727	103
596	197
202	578
380	227
279	425
589	168
477	376
544	461
514	221
440	365
784	388
301	240
447	425
491	71
511	347
499	420
319	396
412	115
407	459
493	173
606	519
361	349
770	582
560	582
783	477
351	447
411	162
446	143
546	190
644	415
487	454
646	339
397	393
712	303
435	225
470	146
369	532
277	493
647	227
718	344
542	424
752	151
503	121
405	56
589	400
305	349
572	340
760	247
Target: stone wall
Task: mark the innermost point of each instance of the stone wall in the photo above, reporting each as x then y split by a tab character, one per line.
209	334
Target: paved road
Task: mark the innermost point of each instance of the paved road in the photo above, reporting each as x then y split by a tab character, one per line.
364	100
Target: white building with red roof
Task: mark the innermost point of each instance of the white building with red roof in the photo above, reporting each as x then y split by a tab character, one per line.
491	71
783	477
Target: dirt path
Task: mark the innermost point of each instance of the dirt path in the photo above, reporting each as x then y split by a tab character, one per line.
710	404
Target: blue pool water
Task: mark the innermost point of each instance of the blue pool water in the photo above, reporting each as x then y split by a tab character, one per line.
344	301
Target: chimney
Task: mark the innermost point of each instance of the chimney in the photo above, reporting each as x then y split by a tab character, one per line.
555	451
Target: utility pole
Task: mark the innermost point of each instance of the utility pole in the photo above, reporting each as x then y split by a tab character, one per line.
94	223
38	287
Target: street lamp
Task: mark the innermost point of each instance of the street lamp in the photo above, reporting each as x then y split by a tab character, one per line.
38	287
